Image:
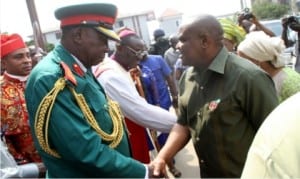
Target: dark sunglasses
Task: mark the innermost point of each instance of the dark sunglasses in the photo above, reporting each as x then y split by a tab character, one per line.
140	54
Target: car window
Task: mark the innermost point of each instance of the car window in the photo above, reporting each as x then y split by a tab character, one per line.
274	25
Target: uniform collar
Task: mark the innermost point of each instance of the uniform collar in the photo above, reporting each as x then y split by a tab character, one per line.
73	62
83	68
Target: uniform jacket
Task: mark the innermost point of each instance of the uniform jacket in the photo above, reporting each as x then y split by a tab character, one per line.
83	152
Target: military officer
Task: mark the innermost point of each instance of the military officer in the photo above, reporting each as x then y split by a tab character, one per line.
78	131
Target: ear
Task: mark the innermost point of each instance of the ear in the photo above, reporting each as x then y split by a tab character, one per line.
121	48
204	40
77	34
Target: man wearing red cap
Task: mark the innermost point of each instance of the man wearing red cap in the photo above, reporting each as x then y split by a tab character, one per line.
79	131
15	127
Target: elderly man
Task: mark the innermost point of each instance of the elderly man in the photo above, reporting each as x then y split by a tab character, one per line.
115	76
78	130
222	102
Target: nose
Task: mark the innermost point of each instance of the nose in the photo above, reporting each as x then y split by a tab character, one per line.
27	59
178	45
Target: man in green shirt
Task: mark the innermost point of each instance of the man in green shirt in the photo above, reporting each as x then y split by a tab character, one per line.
223	101
78	131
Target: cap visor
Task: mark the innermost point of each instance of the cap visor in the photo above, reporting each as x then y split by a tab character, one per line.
109	33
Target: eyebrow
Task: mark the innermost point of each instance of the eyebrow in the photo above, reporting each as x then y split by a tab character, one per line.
19	54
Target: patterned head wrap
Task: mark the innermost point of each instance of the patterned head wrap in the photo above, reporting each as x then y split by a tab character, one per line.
262	47
232	31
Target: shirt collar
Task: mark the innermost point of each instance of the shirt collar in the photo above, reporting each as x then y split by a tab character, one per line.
20	78
217	65
83	68
219	62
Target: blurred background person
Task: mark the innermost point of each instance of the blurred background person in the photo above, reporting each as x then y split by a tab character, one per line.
179	69
161	43
250	23
172	54
290	35
36	54
267	53
233	34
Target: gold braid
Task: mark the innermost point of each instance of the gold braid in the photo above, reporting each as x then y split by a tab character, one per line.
42	118
116	116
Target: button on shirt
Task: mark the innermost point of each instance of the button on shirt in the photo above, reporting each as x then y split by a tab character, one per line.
224	106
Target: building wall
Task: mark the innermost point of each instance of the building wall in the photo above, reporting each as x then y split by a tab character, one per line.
137	23
170	25
53	37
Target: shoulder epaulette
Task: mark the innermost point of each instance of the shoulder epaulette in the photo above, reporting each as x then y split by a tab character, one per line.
68	73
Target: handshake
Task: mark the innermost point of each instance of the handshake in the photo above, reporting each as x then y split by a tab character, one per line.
157	168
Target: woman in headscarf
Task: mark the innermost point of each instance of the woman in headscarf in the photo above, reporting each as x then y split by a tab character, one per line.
267	53
233	34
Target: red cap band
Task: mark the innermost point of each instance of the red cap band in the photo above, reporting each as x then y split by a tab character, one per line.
73	20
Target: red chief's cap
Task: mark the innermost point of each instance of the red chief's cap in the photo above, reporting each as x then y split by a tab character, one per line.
10	43
100	16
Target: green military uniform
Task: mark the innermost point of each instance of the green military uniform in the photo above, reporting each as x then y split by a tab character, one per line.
83	153
224	106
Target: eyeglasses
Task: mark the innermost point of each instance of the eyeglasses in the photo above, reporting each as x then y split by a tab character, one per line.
140	54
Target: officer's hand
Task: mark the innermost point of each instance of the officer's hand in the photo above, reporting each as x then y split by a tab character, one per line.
158	168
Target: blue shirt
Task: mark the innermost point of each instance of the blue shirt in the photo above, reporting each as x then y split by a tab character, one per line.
149	85
160	70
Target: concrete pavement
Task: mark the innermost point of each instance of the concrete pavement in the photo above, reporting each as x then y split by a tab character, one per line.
187	162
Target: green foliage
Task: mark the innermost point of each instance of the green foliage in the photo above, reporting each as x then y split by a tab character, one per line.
29	43
49	47
269	10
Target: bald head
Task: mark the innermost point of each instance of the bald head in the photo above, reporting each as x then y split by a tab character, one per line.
209	25
200	41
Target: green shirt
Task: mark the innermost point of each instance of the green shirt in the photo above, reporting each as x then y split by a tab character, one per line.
83	153
223	106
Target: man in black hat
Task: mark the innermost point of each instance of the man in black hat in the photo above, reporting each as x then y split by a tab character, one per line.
78	131
161	44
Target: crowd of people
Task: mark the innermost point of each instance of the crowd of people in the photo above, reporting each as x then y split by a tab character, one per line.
77	112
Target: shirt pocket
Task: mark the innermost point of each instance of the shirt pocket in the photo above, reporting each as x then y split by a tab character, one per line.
227	112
